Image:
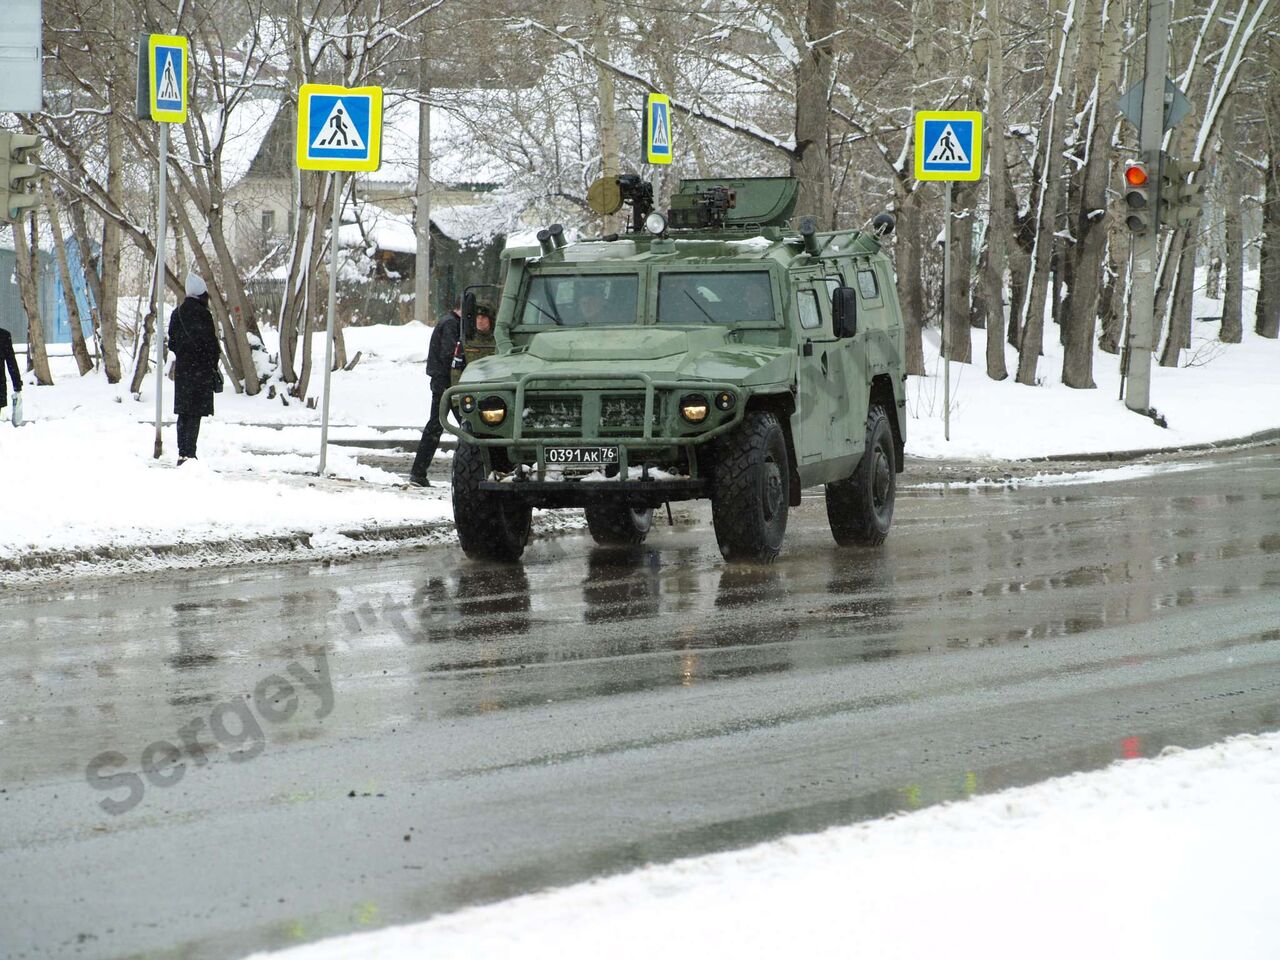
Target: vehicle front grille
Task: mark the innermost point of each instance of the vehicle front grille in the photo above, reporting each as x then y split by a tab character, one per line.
548	416
623	415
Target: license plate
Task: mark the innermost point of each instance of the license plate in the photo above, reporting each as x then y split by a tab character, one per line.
581	456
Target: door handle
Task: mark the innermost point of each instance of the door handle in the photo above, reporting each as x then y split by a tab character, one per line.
824	363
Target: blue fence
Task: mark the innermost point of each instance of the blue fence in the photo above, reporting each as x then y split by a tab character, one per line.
54	315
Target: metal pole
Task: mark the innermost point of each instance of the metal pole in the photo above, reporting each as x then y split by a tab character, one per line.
1142	331
422	218
162	243
333	308
946	310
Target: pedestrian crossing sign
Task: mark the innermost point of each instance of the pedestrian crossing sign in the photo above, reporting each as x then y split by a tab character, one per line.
167	73
657	128
339	128
948	145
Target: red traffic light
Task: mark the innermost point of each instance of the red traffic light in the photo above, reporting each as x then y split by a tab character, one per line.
1135	174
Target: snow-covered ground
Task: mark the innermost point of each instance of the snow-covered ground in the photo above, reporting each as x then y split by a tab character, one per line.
80	475
1223	391
1148	860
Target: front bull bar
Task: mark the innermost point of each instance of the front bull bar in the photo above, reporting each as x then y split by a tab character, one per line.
521	384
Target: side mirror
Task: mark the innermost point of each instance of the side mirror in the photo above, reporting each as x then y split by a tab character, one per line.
844	311
468	312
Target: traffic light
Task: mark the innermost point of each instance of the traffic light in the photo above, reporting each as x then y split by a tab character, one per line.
18	171
1137	197
1179	201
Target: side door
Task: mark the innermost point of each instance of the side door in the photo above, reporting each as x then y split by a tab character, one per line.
815	340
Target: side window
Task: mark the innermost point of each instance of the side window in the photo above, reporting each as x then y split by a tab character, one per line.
867	284
832	283
810	317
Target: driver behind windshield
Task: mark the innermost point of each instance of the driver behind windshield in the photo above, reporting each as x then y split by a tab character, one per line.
591	307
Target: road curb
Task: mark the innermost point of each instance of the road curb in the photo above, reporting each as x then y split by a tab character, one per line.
1262	436
274	548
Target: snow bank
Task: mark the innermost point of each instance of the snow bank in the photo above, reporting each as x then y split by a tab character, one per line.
83	474
1223	391
1168	858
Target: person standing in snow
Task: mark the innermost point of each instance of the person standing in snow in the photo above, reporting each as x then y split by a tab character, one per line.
445	341
10	362
193	340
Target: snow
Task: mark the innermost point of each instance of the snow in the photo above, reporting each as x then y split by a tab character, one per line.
88	479
1007	420
247	126
1168	858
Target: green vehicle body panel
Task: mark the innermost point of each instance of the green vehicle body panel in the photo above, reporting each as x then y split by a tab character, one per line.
819	383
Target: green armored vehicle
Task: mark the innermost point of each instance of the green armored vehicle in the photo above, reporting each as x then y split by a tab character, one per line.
712	353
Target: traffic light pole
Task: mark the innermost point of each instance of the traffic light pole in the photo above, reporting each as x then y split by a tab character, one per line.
162	244
1142	325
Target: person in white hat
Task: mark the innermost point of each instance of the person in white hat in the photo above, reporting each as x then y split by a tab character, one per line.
193	340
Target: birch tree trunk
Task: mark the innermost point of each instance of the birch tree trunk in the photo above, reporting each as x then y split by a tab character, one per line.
910	290
812	163
960	341
605	102
1038	284
1267	319
1233	247
27	267
1101	30
74	321
1000	223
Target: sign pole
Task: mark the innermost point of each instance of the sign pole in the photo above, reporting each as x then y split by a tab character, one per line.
333	308
1146	246
946	310
162	243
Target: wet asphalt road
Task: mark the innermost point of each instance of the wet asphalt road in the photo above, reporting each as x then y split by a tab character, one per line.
485	731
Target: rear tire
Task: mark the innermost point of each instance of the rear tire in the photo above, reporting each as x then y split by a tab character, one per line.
860	509
618	523
490	526
751	490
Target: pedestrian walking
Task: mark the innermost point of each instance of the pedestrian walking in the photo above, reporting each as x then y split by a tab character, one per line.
9	361
193	340
446	339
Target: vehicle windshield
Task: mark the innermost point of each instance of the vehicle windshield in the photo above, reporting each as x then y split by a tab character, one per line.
592	300
731	297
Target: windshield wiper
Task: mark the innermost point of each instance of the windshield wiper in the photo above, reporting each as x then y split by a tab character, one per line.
555	317
699	306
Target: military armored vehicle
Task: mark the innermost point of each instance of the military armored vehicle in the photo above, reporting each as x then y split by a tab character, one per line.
711	353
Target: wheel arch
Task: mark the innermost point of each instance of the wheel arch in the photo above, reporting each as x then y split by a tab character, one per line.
883	395
782	406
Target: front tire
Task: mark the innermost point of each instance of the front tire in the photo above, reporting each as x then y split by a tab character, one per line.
860	509
618	523
490	526
751	490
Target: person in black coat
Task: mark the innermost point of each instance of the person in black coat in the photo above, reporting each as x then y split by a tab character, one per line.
193	340
10	361
440	357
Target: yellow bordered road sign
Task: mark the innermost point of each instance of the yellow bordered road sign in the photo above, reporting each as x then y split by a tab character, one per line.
948	145
657	128
339	128
167	77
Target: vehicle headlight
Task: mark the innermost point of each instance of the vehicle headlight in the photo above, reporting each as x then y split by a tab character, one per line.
694	408
468	404
656	224
725	400
493	410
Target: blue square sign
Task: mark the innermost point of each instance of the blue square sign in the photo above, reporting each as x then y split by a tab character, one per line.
339	128
948	145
